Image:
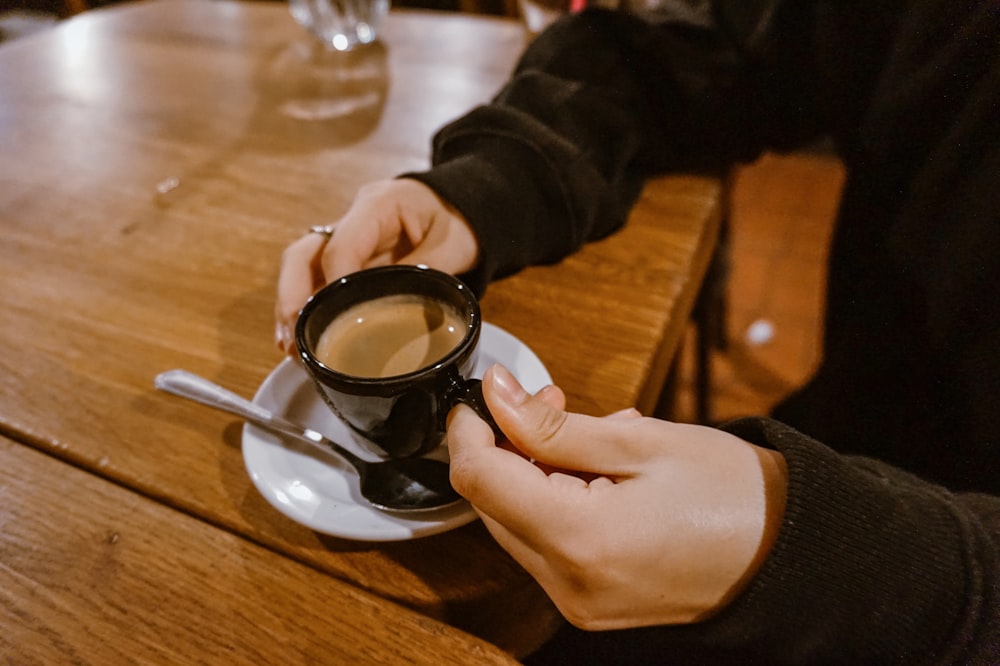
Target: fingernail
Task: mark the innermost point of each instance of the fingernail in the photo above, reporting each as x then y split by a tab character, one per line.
282	336
506	387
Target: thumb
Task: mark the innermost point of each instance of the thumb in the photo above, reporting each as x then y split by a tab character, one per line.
447	243
556	437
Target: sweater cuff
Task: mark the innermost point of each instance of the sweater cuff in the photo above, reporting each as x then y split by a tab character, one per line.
480	187
867	562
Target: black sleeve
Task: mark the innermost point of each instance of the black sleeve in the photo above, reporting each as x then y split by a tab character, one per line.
872	566
603	99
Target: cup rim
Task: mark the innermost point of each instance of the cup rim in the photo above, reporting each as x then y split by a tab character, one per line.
376	385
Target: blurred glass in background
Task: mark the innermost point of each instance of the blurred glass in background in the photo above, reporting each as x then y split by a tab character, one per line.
340	24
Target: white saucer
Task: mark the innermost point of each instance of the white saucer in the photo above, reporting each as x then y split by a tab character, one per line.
321	492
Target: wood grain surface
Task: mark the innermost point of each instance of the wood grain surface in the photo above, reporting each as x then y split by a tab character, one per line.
93	573
158	156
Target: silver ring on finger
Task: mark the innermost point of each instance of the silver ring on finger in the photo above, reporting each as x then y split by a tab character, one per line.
324	230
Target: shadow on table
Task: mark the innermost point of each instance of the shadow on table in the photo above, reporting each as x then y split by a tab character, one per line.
311	97
308	99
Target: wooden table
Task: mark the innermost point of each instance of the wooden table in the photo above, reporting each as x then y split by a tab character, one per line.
157	157
95	573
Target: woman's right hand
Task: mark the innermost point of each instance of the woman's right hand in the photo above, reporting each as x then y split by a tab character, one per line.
400	221
624	521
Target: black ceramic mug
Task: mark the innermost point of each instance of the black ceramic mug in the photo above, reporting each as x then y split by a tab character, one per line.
392	351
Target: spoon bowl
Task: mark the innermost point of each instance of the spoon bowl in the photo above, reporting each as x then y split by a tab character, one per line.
397	485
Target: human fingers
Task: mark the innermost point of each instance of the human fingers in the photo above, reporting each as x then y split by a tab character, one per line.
400	221
299	276
673	543
445	242
392	221
553	396
372	232
369	234
528	498
361	238
498	482
606	446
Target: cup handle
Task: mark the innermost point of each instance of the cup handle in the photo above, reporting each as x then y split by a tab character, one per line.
470	392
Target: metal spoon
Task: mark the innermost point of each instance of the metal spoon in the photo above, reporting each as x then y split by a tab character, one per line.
403	484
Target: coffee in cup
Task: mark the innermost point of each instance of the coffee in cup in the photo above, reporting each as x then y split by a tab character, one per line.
391	351
390	335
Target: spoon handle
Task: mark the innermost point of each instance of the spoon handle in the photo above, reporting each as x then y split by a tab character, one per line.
194	387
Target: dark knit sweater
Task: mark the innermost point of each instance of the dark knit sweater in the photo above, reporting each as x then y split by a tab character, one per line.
873	564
